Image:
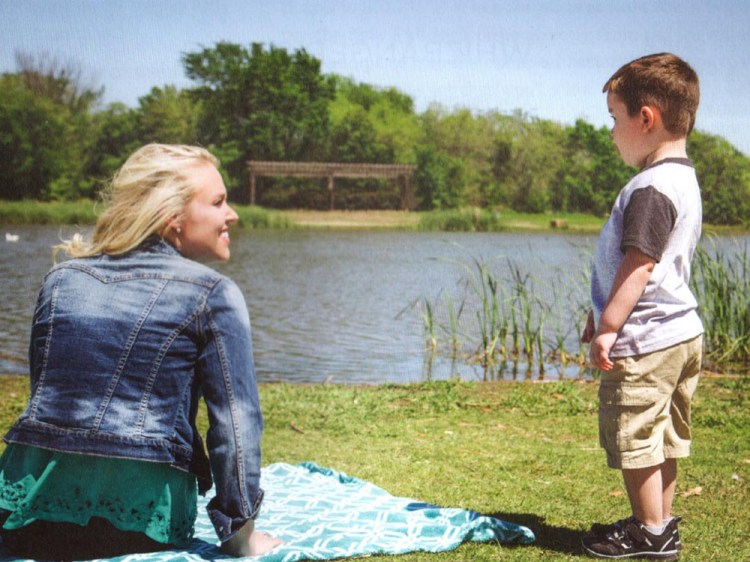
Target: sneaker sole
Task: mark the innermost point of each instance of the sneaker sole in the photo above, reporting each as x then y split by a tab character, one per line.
667	557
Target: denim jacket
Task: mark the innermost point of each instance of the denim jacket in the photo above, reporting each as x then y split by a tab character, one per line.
122	348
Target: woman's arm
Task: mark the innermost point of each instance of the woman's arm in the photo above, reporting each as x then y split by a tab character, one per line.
229	386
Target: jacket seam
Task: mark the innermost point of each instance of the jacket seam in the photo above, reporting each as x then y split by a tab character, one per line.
132	337
47	344
157	364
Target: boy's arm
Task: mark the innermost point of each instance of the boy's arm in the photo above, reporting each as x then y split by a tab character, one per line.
630	282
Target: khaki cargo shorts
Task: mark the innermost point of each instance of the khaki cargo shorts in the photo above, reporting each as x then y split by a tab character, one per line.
644	405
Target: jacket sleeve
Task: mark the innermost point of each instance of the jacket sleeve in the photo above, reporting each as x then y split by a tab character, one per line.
230	390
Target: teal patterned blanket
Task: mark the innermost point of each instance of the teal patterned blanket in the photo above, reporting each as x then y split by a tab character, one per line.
322	514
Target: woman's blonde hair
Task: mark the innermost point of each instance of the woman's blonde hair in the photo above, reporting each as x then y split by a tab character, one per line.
145	195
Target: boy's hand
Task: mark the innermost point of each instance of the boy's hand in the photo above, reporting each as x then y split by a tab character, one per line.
599	351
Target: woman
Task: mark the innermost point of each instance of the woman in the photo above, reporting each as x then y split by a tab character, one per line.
126	337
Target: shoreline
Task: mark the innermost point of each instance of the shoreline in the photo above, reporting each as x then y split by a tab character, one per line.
84	212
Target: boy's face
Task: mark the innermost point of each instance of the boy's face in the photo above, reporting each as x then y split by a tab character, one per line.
627	132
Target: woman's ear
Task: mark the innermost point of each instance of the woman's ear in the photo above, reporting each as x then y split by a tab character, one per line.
172	232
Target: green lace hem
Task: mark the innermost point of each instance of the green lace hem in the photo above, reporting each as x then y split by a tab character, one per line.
151	498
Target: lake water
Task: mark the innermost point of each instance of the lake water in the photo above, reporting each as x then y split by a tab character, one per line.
335	306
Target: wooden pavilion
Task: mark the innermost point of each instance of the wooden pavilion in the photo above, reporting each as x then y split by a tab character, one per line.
402	173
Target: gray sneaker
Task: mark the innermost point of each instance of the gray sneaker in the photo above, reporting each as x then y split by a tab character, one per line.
633	540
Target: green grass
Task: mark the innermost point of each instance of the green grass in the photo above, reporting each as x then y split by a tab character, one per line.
466	219
84	212
40	212
485	220
525	452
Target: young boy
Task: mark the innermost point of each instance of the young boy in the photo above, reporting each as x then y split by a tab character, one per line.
645	333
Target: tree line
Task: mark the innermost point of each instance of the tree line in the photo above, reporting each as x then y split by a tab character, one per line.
58	141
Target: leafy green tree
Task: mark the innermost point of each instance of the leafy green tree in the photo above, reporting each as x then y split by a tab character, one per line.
46	129
463	136
167	115
354	139
526	161
389	112
724	176
438	180
32	155
116	136
260	104
592	171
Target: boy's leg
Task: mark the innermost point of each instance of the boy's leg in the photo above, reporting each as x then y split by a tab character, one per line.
643	399
651	492
644	487
669	484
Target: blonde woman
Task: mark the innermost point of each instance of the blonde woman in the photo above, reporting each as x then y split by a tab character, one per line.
127	335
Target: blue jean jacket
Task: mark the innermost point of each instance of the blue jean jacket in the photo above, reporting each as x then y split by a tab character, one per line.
122	348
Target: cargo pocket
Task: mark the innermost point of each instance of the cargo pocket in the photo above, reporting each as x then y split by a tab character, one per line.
627	415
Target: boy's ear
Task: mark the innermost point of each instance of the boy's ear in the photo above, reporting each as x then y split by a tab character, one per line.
649	117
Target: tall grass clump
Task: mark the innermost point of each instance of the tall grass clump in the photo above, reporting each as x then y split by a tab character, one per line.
461	220
500	319
721	282
256	217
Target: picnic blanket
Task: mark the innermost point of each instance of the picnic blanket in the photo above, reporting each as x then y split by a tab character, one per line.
323	514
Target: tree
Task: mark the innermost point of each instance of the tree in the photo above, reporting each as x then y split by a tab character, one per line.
167	115
260	104
463	136
592	172
724	176
63	83
438	180
354	139
116	137
525	161
52	135
31	154
389	112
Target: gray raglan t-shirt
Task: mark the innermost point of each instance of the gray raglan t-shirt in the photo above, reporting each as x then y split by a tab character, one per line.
659	213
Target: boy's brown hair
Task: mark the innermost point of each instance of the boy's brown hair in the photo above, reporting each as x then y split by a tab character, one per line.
663	81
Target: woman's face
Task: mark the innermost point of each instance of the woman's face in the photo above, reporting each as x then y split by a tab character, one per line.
203	232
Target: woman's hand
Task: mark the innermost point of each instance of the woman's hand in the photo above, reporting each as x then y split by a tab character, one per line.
249	542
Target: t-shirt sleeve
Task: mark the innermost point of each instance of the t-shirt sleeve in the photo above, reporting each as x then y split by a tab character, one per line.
647	222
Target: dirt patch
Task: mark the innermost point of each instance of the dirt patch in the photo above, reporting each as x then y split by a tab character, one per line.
353	219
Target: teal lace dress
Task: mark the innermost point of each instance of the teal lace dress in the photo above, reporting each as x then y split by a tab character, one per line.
150	498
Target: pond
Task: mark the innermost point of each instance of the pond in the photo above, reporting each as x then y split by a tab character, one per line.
346	306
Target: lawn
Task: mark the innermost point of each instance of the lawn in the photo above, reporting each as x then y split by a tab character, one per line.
524	452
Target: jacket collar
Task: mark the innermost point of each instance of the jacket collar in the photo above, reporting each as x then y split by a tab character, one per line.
158	245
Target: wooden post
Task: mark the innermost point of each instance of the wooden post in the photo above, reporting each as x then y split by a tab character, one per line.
407	197
331	192
252	188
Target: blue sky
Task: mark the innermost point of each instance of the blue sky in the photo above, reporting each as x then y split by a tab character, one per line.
548	58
